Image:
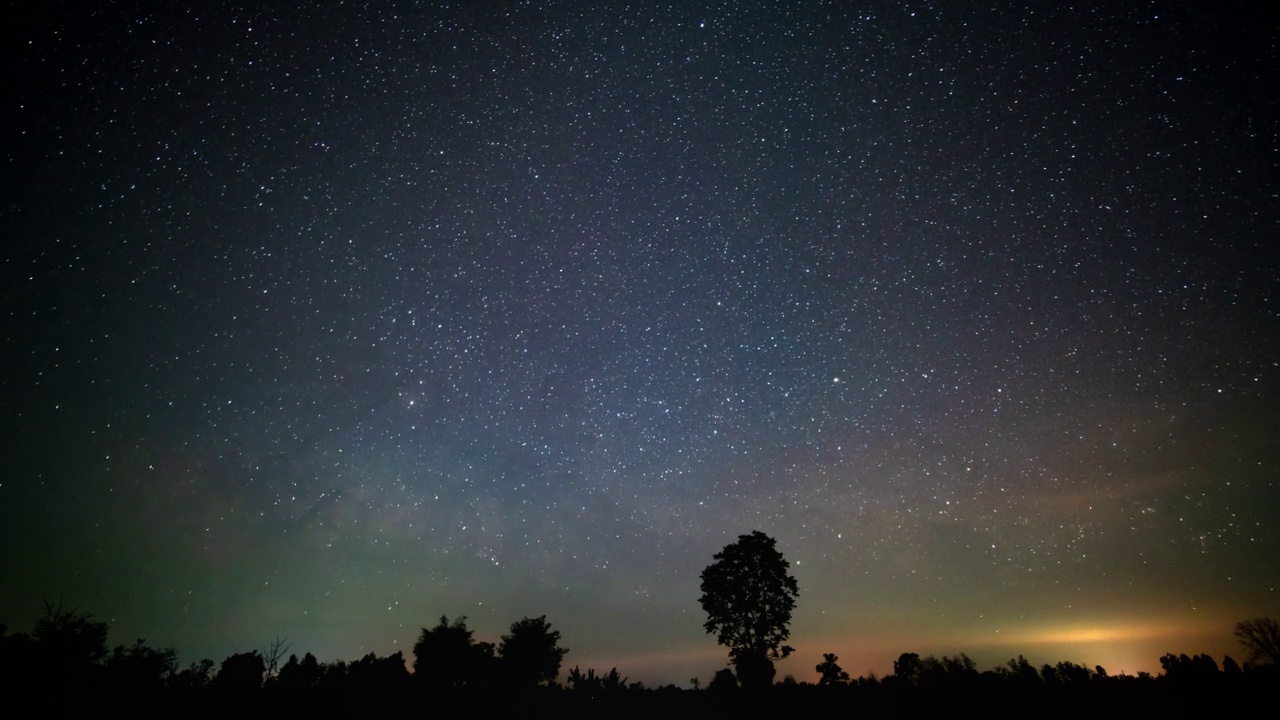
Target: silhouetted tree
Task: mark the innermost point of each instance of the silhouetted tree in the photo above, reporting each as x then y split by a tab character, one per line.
748	597
18	669
197	676
1069	673
723	681
755	670
446	656
1019	669
832	673
531	654
141	668
907	669
241	672
1260	638
274	654
1185	667
870	681
68	645
1230	667
299	675
593	686
911	670
333	678
959	665
372	676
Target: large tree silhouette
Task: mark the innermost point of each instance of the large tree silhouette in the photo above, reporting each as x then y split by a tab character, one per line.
748	597
446	656
69	645
1260	638
531	654
241	673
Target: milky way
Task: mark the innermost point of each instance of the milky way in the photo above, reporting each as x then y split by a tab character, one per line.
327	322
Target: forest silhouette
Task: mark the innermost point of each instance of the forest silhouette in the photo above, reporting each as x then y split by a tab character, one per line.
64	663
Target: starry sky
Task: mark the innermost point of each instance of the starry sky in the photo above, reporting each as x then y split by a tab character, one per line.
324	320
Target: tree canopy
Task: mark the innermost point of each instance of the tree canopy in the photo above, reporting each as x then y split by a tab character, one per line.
70	644
446	656
1260	638
531	654
832	673
748	597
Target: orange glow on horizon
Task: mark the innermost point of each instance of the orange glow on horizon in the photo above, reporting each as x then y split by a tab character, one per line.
1095	634
1119	645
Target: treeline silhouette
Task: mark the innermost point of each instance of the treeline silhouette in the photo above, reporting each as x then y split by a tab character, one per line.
64	662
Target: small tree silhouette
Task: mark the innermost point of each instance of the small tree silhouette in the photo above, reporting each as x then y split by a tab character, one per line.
198	676
274	655
141	668
723	681
593	685
832	673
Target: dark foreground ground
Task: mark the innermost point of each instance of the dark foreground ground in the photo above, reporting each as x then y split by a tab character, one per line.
1243	696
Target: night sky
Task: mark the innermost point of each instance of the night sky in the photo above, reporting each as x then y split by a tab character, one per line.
326	322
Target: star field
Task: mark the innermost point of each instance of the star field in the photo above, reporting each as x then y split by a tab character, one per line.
328	321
